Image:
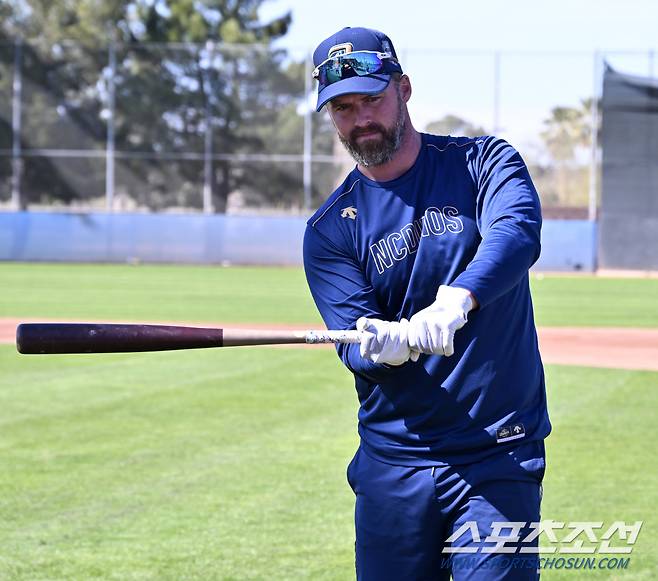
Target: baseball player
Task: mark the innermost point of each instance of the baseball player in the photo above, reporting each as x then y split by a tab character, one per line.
425	247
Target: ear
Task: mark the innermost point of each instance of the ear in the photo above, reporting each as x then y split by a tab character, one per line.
405	88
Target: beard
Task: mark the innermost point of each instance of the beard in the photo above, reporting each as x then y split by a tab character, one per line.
376	150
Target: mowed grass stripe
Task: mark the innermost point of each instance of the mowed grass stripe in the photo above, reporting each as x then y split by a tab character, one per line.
156	292
591	301
271	295
103	380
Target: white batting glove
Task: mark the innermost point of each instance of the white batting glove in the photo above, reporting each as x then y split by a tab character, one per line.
385	342
432	330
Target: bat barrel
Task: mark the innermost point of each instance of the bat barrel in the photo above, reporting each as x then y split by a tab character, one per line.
36	338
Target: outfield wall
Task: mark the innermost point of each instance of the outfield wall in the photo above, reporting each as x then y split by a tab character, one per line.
201	239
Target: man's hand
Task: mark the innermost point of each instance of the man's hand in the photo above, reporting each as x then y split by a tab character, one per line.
385	342
432	330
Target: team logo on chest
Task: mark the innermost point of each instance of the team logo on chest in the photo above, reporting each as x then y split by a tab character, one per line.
398	245
349	212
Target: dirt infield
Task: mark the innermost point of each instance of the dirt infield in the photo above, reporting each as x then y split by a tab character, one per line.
609	347
615	348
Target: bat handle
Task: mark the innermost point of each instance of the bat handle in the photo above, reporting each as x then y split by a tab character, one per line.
313	337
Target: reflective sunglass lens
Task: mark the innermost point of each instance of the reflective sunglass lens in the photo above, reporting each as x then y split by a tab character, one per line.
350	65
364	64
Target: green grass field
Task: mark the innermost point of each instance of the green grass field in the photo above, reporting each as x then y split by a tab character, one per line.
192	293
230	464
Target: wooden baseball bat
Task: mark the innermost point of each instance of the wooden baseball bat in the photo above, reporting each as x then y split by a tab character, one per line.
46	338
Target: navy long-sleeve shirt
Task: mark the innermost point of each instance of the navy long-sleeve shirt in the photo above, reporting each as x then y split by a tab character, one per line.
465	214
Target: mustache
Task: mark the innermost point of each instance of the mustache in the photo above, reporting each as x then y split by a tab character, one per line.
374	127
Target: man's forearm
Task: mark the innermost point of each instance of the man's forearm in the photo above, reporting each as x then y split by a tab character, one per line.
504	257
372	372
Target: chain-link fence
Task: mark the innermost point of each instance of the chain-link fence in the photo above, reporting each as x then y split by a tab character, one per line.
219	128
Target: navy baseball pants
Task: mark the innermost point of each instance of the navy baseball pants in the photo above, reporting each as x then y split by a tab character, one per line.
404	515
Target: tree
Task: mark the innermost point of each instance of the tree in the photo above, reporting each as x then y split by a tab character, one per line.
453	125
568	129
167	96
563	178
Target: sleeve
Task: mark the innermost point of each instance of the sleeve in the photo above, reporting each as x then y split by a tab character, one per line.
342	295
509	221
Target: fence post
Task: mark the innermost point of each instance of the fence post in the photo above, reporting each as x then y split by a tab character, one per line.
207	138
16	149
594	141
109	146
308	133
496	94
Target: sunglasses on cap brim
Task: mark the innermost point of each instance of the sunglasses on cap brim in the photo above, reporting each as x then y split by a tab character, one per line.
355	64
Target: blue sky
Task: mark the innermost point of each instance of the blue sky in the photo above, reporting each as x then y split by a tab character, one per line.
448	49
479	24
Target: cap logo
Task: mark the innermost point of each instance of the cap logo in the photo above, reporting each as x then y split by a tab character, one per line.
339	49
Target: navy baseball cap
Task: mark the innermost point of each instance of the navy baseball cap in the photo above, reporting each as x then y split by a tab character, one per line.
350	40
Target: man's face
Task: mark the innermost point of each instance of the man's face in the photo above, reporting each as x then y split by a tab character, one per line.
370	126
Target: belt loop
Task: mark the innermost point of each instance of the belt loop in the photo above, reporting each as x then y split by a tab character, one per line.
433	469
